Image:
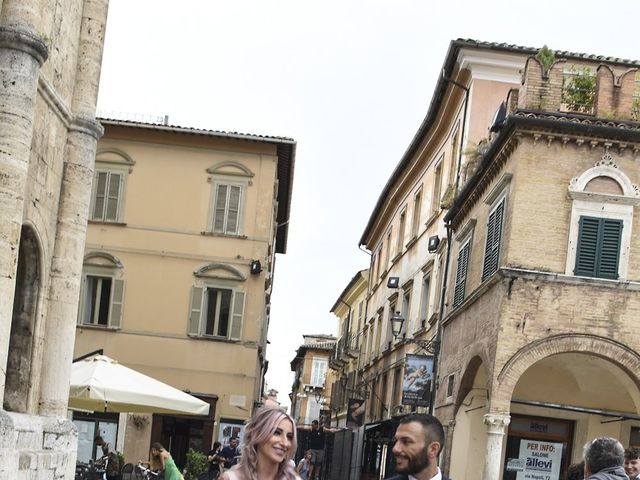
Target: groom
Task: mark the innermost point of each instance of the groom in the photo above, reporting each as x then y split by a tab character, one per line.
419	439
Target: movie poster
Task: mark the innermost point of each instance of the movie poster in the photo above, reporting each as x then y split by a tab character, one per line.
355	413
416	385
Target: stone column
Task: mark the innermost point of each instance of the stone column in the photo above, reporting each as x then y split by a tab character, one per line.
22	53
496	425
73	211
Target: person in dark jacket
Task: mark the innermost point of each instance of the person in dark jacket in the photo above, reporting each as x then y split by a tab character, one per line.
604	460
419	439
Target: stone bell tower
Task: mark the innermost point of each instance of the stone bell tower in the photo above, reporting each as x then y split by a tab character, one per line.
50	58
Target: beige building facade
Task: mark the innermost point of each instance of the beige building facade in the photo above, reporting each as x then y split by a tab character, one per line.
346	358
504	242
178	271
311	392
50	58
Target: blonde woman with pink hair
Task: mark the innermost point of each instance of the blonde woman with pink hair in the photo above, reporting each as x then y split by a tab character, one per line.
269	442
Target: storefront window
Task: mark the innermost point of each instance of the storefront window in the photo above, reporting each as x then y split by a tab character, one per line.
537	448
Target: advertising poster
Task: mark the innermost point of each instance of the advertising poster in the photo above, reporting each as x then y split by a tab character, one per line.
539	460
355	413
416	384
230	429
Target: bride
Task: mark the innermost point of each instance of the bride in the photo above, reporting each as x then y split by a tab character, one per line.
268	445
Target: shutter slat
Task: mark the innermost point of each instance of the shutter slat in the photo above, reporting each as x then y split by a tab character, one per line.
195	310
117	299
220	208
587	248
461	275
236	318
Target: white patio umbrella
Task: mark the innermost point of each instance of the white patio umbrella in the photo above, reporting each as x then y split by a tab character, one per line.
100	383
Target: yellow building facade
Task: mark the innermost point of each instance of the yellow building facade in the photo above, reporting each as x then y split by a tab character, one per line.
184	228
504	254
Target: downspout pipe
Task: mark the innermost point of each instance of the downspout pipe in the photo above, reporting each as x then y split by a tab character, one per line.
464	125
438	340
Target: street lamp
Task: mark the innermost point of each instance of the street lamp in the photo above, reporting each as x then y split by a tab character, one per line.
397	321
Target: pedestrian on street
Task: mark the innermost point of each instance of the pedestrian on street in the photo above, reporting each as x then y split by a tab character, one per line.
161	461
230	453
419	439
604	460
304	466
317	438
268	445
632	463
215	461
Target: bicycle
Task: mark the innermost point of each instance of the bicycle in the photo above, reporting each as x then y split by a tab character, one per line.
146	472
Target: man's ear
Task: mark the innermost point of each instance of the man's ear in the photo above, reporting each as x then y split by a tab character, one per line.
433	449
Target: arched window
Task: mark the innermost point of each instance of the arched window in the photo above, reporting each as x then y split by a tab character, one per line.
113	167
601	221
229	183
217	303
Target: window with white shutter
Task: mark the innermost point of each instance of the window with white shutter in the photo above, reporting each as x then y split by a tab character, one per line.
230	182
216	312
101	291
107	196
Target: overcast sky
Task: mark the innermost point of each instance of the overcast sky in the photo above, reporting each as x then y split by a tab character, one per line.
350	81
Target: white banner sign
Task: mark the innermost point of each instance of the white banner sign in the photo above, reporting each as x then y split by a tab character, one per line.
541	460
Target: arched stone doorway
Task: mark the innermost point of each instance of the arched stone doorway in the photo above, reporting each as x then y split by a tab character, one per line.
555	394
23	323
468	442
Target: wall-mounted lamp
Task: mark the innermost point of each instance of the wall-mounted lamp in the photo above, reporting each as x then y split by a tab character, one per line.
433	244
393	282
256	267
397	321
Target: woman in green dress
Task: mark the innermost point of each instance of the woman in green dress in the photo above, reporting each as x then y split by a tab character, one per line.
161	460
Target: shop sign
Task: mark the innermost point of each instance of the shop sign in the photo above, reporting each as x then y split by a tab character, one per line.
541	460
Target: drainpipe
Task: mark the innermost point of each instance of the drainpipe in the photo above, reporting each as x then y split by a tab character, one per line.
464	125
438	340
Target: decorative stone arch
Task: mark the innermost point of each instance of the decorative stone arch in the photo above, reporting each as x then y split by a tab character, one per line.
615	352
102	259
24	323
115	156
220	271
230	168
607	168
476	360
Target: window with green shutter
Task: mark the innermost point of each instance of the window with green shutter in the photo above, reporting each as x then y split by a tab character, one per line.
598	250
494	238
461	273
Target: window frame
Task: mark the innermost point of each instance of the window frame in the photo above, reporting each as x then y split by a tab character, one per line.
600	228
196	324
601	205
123	173
116	296
493	242
230	174
460	283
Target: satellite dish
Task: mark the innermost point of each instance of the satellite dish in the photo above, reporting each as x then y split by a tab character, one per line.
499	118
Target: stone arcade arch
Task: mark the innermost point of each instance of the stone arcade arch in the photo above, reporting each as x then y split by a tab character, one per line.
606	348
23	323
466	438
504	384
